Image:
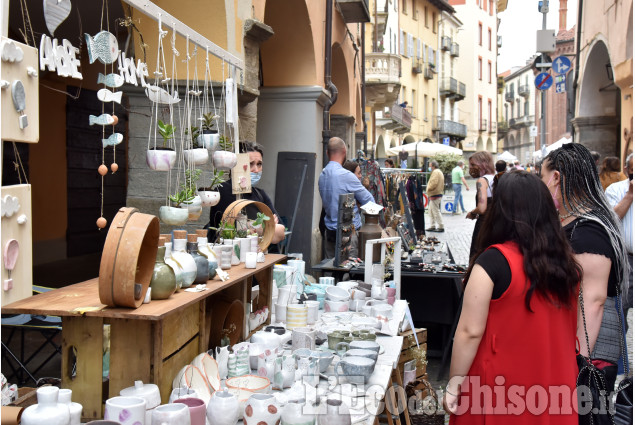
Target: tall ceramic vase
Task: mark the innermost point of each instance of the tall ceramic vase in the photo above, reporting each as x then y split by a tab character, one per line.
182	257
47	410
262	409
202	265
176	267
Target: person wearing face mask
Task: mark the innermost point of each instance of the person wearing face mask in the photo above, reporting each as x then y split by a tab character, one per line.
255	152
596	238
481	167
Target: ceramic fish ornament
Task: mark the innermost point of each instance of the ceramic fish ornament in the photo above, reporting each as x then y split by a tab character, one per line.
110	80
113	140
159	95
106	95
102	47
103	119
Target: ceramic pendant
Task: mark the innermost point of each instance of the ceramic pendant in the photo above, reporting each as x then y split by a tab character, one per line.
19	101
110	80
103	119
159	95
113	140
10	205
106	95
102	47
56	12
11	251
11	52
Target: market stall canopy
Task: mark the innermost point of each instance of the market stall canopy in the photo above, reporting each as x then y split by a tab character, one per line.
507	157
423	149
552	147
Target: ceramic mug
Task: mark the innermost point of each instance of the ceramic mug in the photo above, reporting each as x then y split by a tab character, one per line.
391	292
391	300
358	352
365	345
287	294
126	410
197	409
357	370
358	294
281	313
171	414
303	338
327	280
312	311
296	316
356	305
331	306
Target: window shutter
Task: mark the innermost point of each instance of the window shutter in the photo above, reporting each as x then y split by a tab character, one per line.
401	43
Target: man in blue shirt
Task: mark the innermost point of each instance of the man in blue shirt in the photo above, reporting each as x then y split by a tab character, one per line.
334	181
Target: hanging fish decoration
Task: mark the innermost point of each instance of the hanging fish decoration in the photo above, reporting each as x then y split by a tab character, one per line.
110	80
103	119
159	95
113	140
102	47
106	95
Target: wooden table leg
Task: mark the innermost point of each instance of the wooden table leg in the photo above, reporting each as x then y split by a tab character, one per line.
130	354
396	373
82	339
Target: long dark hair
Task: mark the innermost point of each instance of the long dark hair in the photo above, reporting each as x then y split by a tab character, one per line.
522	212
583	196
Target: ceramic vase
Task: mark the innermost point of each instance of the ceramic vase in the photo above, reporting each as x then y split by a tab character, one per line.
245	247
194	208
176	267
235	244
126	410
222	356
262	409
223	408
187	262
197	409
334	412
149	392
224	256
47	410
160	159
253	242
171	414
293	414
224	160
75	409
242	362
205	251
202	265
163	283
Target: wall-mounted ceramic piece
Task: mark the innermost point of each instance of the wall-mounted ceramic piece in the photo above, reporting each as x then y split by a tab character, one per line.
11	52
9	206
241	177
10	258
56	12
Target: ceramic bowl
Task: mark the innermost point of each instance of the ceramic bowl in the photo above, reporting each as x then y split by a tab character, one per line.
358	352
358	294
252	383
332	306
336	293
365	345
303	352
160	159
324	359
357	370
198	156
175	413
347	284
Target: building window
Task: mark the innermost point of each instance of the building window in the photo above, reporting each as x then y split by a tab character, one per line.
526	108
489	72
403	95
480	111
414	103
404	8
506	113
434	107
425	107
402	43
434	23
489	38
491	7
480	34
489	111
425	16
518	108
479	68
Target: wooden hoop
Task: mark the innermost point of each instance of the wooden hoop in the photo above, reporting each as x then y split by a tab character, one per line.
229	216
128	257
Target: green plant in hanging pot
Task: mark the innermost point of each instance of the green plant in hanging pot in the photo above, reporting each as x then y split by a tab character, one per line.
209	137
197	154
186	197
224	158
162	158
210	196
258	223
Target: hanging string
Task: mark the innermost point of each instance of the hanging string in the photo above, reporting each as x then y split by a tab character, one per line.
26	23
18	165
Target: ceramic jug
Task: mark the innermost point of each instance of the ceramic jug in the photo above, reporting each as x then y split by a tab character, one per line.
47	410
176	267
293	413
171	414
334	412
262	409
202	265
223	409
163	283
182	257
205	251
126	410
222	355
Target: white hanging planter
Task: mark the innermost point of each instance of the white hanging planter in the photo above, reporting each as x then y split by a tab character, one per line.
209	198
173	216
209	140
194	208
224	160
160	159
198	156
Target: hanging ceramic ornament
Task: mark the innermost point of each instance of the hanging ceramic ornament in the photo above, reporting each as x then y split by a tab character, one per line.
158	95
11	251
110	80
113	140
241	177
102	47
56	12
106	95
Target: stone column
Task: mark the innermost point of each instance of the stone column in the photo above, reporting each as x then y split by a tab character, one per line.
598	134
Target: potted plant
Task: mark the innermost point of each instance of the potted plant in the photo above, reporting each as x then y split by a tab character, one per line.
209	136
187	198
162	158
209	196
197	154
225	159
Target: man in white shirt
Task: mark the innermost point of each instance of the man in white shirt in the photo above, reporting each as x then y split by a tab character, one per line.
620	197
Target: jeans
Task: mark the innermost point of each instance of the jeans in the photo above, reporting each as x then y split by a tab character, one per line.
457	197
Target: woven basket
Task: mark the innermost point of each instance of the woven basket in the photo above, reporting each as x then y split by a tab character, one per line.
422	390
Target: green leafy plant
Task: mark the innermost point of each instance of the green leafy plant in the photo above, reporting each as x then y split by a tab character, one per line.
226	144
188	188
166	131
207	121
218	178
447	161
194	132
260	219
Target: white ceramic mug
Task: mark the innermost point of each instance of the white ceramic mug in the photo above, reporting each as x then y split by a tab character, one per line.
312	311
303	338
250	260
171	414
126	410
281	313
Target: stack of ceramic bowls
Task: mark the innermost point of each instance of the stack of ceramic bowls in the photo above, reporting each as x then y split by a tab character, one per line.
337	299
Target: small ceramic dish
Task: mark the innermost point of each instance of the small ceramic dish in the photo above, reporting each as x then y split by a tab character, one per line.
251	383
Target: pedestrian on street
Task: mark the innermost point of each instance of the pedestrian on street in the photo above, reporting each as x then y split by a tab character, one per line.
481	167
389	163
457	180
500	171
434	190
610	172
334	181
595	235
517	327
620	197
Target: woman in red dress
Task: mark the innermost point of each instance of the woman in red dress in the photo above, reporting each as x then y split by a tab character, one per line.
514	359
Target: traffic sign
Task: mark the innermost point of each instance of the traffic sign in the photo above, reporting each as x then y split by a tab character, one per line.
561	83
543	81
542	62
446	141
561	65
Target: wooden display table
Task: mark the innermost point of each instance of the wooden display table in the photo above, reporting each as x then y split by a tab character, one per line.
150	343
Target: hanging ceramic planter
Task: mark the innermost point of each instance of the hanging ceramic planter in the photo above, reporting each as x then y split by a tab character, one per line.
197	156
209	198
173	216
194	208
224	160
209	139
160	159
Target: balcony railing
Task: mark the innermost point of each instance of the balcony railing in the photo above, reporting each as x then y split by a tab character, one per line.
503	127
354	11
450	87
399	119
524	121
446	43
482	125
428	73
454	50
383	68
450	128
492	127
509	96
523	90
417	67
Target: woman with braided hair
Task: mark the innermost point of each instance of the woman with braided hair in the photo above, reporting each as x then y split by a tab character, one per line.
595	236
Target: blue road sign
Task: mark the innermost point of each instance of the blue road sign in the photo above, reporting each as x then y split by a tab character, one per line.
543	81
446	141
561	83
449	206
561	65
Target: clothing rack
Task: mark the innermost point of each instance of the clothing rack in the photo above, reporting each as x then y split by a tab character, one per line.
403	170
